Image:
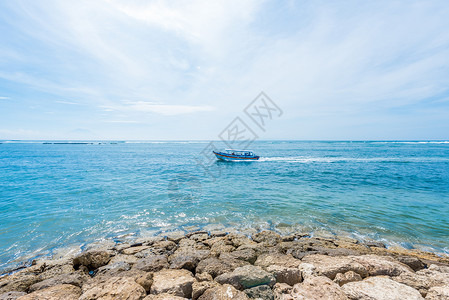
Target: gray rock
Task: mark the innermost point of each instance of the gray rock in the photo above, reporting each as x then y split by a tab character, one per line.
248	255
267	237
152	263
11	295
287	275
413	262
113	269
133	250
17	283
215	266
246	277
187	258
75	279
261	292
92	259
374	244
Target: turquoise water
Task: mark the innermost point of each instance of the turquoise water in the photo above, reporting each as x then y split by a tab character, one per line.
54	196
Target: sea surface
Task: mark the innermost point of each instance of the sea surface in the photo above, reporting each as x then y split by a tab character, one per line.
56	196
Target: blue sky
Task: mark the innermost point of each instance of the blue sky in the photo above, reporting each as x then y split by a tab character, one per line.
111	69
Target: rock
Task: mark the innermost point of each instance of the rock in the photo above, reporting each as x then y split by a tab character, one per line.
114	269
149	240
134	250
195	232
269	238
114	288
57	292
219	248
75	279
345	240
199	237
424	279
381	265
55	271
439	268
376	244
307	270
215	266
198	288
187	258
175	236
269	259
349	276
317	288
246	277
218	233
158	248
358	248
163	296
203	277
380	288
11	295
238	240
121	246
17	283
223	292
92	259
413	262
281	291
175	282
152	263
330	266
223	240
261	292
438	293
248	255
165	245
145	279
286	275
130	259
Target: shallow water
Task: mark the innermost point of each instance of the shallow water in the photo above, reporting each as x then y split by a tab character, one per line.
60	195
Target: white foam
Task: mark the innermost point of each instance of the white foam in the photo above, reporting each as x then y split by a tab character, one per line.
302	159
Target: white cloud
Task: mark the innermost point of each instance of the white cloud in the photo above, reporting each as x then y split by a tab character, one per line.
4	98
316	60
162	109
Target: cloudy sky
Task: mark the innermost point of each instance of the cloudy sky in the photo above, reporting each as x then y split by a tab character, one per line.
130	69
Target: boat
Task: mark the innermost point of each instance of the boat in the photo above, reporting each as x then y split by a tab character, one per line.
236	155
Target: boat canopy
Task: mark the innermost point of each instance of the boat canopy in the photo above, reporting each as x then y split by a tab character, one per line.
247	152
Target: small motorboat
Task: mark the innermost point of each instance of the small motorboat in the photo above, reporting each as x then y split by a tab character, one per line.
236	155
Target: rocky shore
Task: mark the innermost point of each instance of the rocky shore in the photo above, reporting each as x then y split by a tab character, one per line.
221	265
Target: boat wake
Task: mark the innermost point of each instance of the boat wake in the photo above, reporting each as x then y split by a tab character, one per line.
305	160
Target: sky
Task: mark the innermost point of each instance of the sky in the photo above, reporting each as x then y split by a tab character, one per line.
184	70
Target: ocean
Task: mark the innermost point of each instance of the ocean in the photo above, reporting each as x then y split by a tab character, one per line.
57	197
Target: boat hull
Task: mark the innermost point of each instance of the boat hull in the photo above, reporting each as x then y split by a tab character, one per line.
230	157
